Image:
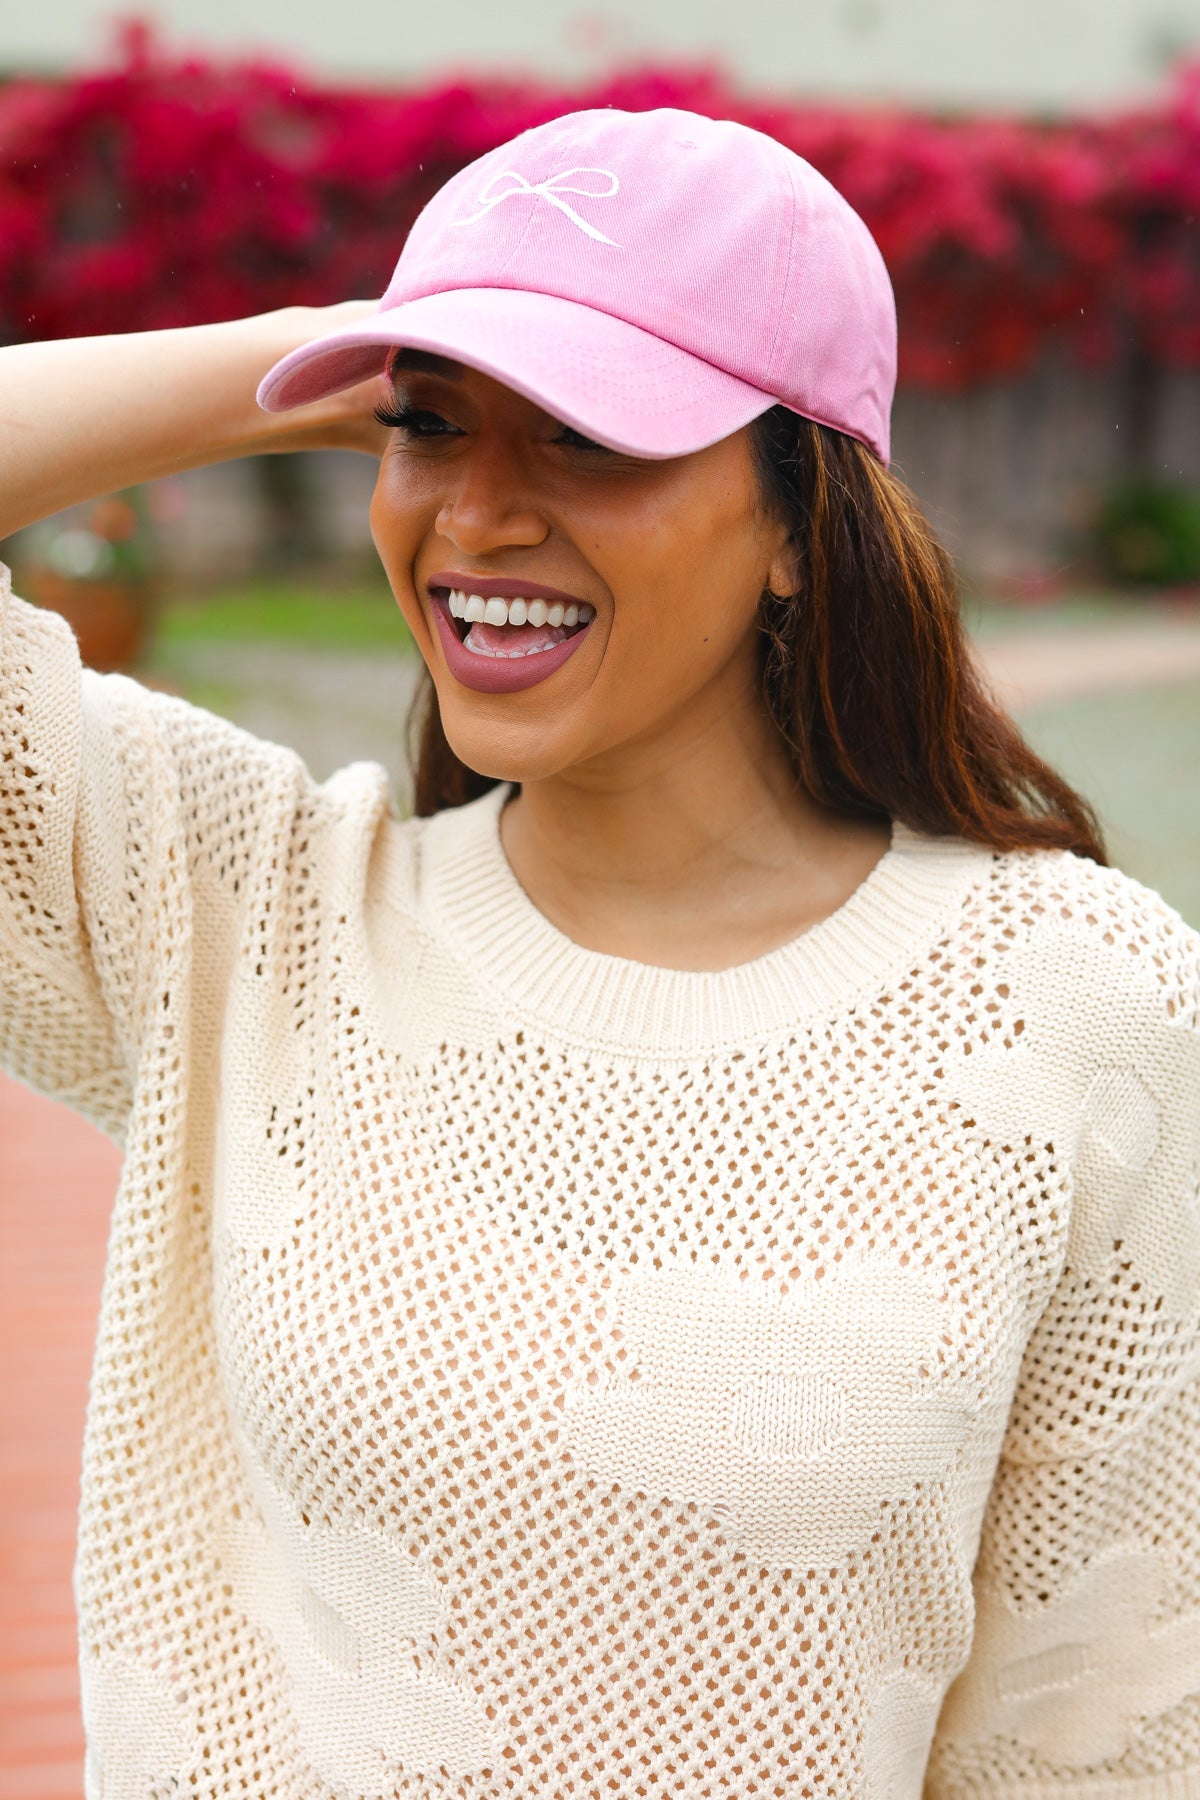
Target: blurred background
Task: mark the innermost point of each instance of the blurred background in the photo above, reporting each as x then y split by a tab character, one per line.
1031	169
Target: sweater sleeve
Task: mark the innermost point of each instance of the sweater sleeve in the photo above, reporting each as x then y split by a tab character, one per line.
128	820
1084	1675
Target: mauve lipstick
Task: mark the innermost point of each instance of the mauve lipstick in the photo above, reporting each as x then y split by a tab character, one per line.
498	587
499	674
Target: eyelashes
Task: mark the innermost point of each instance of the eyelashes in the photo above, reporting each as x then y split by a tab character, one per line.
416	421
419	422
568	435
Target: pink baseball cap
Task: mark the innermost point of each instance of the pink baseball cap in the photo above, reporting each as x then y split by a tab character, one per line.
655	280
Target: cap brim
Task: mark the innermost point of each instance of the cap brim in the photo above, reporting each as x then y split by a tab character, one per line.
611	380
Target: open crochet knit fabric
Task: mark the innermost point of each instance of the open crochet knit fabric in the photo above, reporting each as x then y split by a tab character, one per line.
527	1373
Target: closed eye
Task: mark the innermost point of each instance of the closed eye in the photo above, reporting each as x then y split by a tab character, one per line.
577	441
422	422
417	421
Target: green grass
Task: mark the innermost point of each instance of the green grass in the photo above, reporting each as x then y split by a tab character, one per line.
362	616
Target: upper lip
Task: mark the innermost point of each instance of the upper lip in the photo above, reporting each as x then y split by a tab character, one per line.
499	587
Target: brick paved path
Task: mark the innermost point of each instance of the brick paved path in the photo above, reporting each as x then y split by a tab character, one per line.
57	1178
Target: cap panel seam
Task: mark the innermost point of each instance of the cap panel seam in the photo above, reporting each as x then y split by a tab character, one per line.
772	371
517	245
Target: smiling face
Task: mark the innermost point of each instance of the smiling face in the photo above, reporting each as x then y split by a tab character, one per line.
484	501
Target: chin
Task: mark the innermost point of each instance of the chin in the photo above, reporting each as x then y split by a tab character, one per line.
506	751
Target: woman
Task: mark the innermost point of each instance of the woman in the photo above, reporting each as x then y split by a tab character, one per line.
601	1265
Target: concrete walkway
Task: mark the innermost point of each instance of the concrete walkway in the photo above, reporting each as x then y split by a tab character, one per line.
1031	668
57	1178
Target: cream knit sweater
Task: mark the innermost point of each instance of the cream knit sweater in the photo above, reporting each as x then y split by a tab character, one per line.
527	1373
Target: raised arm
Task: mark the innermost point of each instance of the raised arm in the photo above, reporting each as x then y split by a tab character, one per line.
81	417
127	818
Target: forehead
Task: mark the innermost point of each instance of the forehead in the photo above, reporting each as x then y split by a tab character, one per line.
424	362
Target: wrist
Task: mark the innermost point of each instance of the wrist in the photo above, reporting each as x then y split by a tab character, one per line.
265	339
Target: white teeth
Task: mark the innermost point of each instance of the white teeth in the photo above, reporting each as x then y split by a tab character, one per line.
476	610
505	655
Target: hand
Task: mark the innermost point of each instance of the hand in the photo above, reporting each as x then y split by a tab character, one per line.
343	421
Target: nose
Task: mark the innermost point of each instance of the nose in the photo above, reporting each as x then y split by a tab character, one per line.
486	511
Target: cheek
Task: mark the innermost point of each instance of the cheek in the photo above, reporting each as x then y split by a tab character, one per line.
390	514
400	520
690	600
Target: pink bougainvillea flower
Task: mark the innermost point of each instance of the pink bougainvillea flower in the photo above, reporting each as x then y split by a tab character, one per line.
167	190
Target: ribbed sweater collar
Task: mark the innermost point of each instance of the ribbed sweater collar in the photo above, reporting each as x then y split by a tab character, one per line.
477	907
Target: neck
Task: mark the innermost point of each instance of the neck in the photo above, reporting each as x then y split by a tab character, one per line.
695	850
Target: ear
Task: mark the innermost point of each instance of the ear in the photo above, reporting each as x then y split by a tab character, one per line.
783	575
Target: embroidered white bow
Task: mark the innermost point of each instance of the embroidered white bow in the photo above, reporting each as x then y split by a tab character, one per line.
552	189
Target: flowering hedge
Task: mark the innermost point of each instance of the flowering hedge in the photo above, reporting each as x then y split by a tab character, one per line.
164	191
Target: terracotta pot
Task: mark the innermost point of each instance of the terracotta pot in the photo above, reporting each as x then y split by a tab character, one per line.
110	617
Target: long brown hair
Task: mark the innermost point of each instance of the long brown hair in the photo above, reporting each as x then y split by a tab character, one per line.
866	669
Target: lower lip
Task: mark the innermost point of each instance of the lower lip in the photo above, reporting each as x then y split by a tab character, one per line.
499	674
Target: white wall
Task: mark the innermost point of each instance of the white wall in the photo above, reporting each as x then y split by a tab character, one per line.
1051	54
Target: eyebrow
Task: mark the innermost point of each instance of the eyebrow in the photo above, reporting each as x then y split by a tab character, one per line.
424	362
